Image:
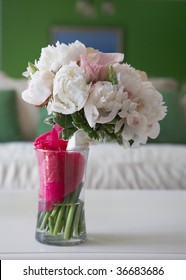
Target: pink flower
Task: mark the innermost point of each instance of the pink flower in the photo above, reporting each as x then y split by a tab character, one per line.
95	64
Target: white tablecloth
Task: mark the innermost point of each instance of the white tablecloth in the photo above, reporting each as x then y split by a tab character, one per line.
121	224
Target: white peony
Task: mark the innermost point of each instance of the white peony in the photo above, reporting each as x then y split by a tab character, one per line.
104	102
150	103
53	57
135	124
136	130
39	88
70	90
143	109
129	78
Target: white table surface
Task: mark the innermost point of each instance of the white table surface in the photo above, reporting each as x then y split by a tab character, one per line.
121	224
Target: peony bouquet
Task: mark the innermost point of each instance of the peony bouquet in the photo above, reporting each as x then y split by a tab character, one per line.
89	96
94	93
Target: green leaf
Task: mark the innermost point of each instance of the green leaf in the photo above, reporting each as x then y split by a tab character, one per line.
68	132
64	121
49	120
112	77
92	133
109	127
120	139
78	118
107	134
32	67
80	122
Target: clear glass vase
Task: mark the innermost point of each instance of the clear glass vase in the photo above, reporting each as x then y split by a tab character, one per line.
61	215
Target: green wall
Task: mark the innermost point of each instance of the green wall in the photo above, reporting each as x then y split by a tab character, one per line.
154	32
0	34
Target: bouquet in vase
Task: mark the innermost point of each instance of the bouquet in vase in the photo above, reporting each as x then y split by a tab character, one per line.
89	96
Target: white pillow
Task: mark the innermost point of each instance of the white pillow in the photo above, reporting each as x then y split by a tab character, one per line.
27	114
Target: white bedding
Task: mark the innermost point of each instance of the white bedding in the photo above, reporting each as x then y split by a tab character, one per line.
109	166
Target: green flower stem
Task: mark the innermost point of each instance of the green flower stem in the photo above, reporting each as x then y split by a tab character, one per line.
54	211
58	221
51	225
69	222
40	219
65	218
68	231
77	218
67	208
45	220
81	225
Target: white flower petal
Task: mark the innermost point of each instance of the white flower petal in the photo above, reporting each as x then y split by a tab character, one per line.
119	125
154	130
54	57
103	104
79	139
70	90
39	89
111	115
91	114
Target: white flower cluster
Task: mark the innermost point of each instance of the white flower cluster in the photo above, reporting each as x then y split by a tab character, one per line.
72	78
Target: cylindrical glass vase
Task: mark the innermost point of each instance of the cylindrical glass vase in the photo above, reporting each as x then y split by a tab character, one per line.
61	216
